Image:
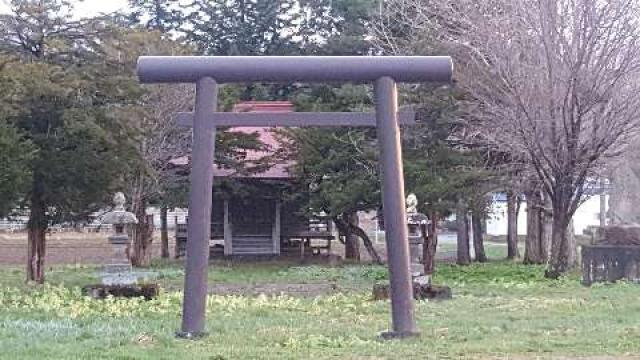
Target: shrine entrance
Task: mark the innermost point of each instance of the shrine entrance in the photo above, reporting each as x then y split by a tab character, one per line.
208	71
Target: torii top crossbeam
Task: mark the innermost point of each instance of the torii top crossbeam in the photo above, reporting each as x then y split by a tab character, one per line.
228	69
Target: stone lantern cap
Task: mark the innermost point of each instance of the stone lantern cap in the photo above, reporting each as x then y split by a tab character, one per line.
119	215
413	216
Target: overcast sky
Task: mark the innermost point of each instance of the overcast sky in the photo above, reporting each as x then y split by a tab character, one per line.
85	8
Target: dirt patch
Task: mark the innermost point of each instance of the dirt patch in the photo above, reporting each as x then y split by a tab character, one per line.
271	289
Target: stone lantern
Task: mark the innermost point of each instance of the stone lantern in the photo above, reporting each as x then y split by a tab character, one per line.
421	282
119	269
415	223
118	278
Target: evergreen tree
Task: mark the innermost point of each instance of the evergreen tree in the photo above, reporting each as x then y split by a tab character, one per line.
243	27
161	15
80	148
337	168
65	112
16	154
45	31
445	173
336	27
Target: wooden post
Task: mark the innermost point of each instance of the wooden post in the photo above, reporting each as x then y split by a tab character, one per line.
275	231
602	216
176	245
227	230
199	227
164	231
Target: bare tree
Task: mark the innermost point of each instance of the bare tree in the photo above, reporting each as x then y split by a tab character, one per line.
157	137
551	81
159	141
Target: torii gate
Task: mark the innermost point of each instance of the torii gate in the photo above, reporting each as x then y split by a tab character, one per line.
208	71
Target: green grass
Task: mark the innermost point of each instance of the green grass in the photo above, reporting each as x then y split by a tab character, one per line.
498	309
247	273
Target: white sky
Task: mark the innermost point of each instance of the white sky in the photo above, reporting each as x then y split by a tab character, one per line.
85	8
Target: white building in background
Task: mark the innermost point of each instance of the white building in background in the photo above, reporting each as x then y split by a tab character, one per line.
588	214
497	219
174	216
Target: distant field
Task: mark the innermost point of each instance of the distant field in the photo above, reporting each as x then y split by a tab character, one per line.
92	248
65	248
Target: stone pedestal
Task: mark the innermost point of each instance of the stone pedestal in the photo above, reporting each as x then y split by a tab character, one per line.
415	253
118	270
416	241
119	243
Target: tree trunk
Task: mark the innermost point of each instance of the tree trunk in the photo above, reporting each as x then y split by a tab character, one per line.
478	235
430	245
367	244
512	225
546	229
351	242
140	254
164	231
572	246
462	220
37	228
345	227
546	235
533	243
560	247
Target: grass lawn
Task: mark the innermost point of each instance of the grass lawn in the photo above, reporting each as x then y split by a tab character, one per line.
493	250
500	311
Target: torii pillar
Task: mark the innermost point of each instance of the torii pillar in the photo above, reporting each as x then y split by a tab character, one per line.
207	72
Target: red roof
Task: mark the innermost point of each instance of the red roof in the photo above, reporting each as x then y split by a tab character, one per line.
266	135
